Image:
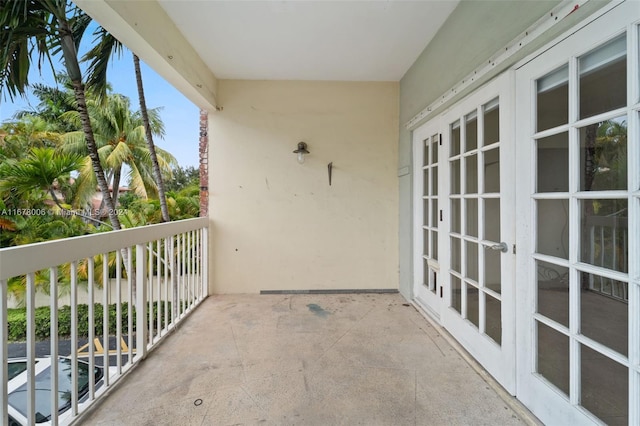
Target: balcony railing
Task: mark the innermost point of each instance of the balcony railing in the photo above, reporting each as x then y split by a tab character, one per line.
151	276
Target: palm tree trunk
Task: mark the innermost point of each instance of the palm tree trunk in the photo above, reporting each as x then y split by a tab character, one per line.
116	184
152	149
73	69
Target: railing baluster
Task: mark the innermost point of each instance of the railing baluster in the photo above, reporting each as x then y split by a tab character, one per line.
91	323
4	354
74	338
174	281
118	312
149	285
53	336
205	260
141	302
130	304
158	292
105	317
166	285
31	348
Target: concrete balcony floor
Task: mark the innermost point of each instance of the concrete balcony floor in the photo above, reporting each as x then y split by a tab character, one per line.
345	359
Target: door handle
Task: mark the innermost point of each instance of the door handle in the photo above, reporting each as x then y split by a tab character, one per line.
503	247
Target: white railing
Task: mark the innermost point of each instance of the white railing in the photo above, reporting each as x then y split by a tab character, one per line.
160	275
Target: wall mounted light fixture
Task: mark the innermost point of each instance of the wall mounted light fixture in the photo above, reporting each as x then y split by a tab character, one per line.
301	151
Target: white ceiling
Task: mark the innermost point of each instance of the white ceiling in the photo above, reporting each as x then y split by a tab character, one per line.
309	40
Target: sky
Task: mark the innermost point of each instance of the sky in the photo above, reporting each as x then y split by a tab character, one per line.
180	116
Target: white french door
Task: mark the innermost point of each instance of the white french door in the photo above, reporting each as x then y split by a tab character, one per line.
464	235
578	226
428	288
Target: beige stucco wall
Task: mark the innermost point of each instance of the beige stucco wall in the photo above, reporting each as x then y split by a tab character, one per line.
277	224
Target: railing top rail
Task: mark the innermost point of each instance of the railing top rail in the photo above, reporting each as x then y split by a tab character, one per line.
19	260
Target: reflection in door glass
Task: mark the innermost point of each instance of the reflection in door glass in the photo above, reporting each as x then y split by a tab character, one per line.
552	162
455	177
603	78
472	304
492	269
471	136
553	227
456	293
553	99
492	171
471	166
603	156
604	239
492	219
553	357
472	217
493	326
605	387
553	292
604	318
456	253
491	122
456	215
472	260
455	139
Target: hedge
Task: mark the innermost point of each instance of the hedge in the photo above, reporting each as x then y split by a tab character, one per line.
17	320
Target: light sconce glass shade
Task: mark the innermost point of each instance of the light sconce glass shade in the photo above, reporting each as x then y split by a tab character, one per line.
301	151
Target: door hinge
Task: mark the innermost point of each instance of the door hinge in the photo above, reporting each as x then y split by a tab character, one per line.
440	215
514	249
440	292
440	139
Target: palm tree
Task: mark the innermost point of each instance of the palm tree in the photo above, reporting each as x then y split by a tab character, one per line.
99	58
48	27
43	169
120	137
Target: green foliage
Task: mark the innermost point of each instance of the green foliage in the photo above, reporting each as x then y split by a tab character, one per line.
17	320
183	177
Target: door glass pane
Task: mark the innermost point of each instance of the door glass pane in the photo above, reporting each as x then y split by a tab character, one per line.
456	293
553	227
434	245
553	292
472	217
603	155
425	183
604	238
426	212
455	139
492	219
553	357
492	171
471	136
471	165
491	122
426	272
604	318
553	163
455	216
455	177
472	260
472	304
434	180
435	142
553	99
493	327
605	387
492	268
435	216
456	253
603	78
425	159
425	243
